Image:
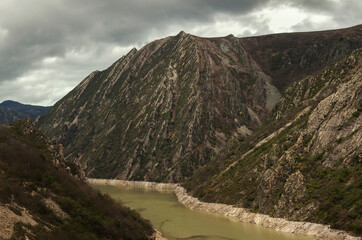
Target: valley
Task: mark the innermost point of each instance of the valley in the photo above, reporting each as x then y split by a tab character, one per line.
278	134
264	129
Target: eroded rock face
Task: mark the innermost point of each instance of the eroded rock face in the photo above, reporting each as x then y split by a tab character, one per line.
55	208
163	111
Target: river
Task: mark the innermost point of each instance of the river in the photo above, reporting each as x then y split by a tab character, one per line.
176	221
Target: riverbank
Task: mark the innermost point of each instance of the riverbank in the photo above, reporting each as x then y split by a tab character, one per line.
242	214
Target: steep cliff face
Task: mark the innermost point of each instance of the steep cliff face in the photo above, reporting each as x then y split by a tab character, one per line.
305	163
159	113
44	197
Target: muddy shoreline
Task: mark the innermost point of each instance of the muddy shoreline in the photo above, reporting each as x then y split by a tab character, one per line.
320	231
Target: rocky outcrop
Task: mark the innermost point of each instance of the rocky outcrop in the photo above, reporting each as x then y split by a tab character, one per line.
56	209
157	235
10	215
242	214
294	191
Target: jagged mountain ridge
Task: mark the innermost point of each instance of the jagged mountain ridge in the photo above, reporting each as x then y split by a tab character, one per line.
159	113
305	163
11	111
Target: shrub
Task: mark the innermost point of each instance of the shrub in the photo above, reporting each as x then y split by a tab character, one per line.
355	114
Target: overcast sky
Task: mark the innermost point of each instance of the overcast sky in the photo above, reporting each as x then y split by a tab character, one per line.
48	46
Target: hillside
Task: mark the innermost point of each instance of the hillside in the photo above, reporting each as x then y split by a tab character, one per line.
305	163
11	111
161	112
43	197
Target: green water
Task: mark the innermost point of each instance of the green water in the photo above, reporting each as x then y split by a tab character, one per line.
175	221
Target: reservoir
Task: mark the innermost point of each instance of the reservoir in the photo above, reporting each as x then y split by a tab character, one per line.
176	221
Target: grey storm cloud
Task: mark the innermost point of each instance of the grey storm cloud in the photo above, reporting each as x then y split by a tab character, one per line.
35	29
32	31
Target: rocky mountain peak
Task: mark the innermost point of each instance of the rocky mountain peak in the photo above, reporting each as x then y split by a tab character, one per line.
231	36
182	34
160	112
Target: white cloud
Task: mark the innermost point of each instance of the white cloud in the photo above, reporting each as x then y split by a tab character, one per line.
55	76
281	19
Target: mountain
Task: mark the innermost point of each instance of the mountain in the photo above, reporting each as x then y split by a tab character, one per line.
303	164
8	116
11	111
161	112
44	197
290	57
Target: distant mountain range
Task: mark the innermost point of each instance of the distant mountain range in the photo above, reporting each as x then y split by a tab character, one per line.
11	111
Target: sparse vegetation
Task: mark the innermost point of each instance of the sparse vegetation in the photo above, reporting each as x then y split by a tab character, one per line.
339	193
28	176
355	114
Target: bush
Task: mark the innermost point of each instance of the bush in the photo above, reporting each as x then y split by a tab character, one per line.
355	114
